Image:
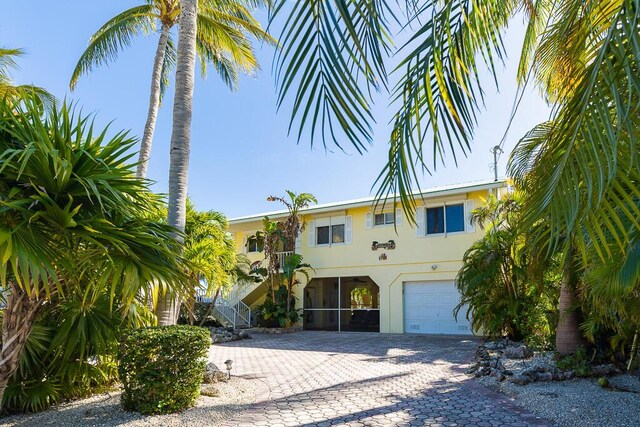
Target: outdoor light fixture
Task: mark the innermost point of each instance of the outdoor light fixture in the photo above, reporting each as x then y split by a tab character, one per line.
228	363
389	245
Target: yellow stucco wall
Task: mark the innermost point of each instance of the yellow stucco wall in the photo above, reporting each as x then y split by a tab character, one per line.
414	258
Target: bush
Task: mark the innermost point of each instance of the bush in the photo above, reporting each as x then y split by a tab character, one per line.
274	314
161	368
200	310
579	363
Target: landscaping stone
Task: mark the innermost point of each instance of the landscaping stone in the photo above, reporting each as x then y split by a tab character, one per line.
288	330
212	374
520	379
518	352
220	335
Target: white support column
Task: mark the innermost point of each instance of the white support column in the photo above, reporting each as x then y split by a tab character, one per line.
339	304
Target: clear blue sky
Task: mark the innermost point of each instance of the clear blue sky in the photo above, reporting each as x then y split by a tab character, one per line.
240	150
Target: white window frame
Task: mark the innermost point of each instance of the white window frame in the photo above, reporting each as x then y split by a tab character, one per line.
444	206
392	214
330	222
246	243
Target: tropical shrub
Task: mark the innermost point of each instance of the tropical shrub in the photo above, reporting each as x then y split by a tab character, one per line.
579	363
161	368
503	286
71	351
77	244
278	313
199	313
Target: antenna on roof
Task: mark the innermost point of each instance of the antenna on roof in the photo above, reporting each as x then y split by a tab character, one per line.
496	151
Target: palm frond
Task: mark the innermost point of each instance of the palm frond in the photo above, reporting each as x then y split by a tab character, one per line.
439	91
582	170
329	48
114	35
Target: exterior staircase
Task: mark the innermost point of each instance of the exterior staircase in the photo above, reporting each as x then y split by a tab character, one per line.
232	314
230	310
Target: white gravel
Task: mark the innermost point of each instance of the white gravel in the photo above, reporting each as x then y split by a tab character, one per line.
105	410
577	402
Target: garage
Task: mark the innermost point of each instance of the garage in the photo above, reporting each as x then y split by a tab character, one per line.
428	309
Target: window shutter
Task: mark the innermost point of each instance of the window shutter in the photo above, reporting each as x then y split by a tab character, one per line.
348	233
469	205
244	245
420	220
398	217
312	234
368	220
298	249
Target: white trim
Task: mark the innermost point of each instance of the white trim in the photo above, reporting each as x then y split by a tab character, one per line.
386	224
451	190
444	206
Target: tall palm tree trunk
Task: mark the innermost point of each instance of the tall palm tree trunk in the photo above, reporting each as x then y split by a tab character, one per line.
154	103
169	305
17	321
568	337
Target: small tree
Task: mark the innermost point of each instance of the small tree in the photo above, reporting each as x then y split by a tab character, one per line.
502	281
293	225
72	214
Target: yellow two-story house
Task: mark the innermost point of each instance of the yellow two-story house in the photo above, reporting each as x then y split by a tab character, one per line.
373	270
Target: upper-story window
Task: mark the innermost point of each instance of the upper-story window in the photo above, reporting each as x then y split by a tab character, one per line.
254	245
383	218
445	219
330	231
330	234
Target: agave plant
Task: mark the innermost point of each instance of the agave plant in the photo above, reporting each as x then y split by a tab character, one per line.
72	213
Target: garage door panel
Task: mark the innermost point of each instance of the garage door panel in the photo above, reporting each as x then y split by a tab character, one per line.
428	309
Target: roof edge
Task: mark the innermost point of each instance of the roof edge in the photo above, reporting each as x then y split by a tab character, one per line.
368	201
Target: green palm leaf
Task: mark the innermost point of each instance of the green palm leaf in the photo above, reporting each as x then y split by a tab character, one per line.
329	48
113	36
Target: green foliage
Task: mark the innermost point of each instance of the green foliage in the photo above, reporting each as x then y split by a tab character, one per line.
201	312
209	251
70	352
278	313
77	240
503	286
71	208
161	368
223	41
580	363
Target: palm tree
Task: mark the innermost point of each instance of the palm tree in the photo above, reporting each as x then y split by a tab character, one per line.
222	40
583	55
209	252
293	225
292	266
9	92
169	306
581	169
72	210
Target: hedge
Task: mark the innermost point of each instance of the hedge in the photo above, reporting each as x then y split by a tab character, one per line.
161	368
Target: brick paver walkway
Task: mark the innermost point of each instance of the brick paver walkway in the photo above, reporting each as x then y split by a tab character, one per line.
363	379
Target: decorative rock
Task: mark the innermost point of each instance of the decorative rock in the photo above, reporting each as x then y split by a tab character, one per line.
518	352
497	374
212	374
544	376
602	370
520	379
220	335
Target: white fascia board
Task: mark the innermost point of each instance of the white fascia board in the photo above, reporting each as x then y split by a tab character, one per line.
368	201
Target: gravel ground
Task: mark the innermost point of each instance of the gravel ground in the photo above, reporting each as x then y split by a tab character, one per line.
577	402
105	410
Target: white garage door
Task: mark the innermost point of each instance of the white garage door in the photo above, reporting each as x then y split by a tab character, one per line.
428	309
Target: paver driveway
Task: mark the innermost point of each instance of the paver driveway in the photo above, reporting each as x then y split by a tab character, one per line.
357	379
